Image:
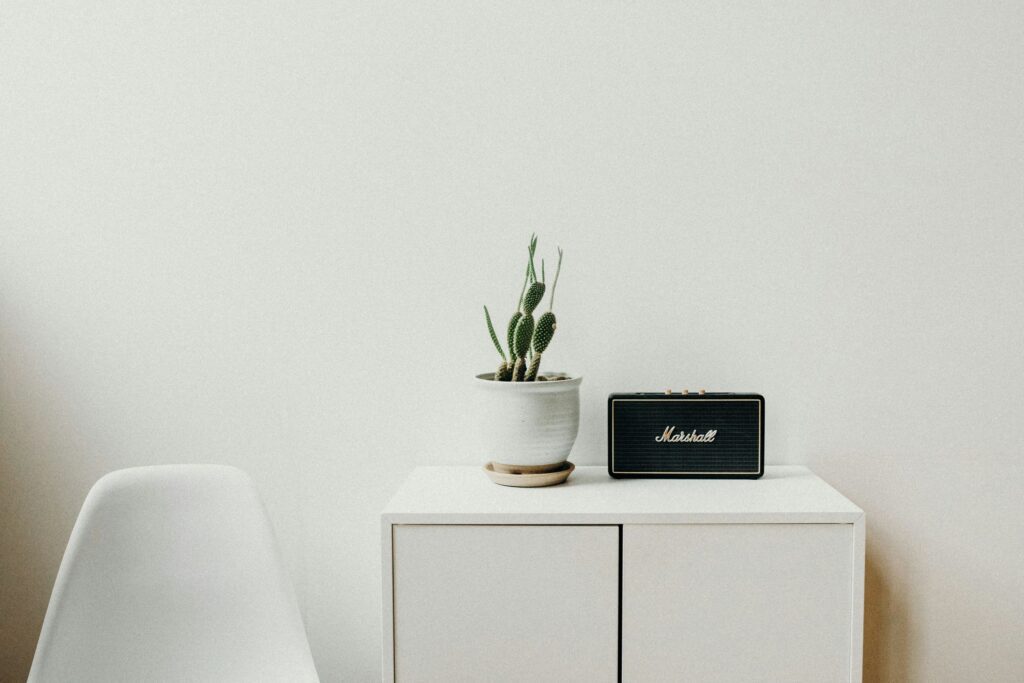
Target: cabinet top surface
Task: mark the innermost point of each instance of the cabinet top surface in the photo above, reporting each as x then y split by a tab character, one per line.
464	495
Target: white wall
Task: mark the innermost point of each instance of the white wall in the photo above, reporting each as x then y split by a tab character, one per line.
262	233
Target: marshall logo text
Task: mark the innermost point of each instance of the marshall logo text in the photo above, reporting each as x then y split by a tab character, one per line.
670	436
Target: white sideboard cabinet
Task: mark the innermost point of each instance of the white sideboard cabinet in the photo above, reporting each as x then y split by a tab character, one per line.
633	580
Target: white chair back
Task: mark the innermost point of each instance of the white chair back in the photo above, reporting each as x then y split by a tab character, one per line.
172	574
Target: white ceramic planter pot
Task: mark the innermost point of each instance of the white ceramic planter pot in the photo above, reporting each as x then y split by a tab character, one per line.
527	424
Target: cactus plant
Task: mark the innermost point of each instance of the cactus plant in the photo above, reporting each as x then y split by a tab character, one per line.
527	339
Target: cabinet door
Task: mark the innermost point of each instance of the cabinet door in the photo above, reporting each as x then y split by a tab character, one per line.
737	602
506	603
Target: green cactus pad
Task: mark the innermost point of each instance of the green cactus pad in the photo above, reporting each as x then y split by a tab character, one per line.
531	372
523	335
533	296
504	373
543	332
511	335
519	370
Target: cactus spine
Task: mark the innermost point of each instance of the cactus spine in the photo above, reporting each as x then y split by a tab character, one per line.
526	338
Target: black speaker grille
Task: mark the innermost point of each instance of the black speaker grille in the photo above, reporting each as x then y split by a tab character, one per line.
636	423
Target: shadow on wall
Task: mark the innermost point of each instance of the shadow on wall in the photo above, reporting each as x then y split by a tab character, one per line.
27	568
887	636
43	483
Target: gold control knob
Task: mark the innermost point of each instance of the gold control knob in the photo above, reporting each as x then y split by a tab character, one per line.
702	392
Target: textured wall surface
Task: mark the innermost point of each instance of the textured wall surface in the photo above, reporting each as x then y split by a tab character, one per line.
261	234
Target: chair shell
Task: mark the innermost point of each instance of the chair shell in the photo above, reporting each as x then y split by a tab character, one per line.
172	574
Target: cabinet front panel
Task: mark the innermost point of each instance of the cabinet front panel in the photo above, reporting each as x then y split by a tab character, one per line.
734	603
505	603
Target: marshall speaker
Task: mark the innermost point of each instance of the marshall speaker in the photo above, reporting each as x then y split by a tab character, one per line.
673	435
